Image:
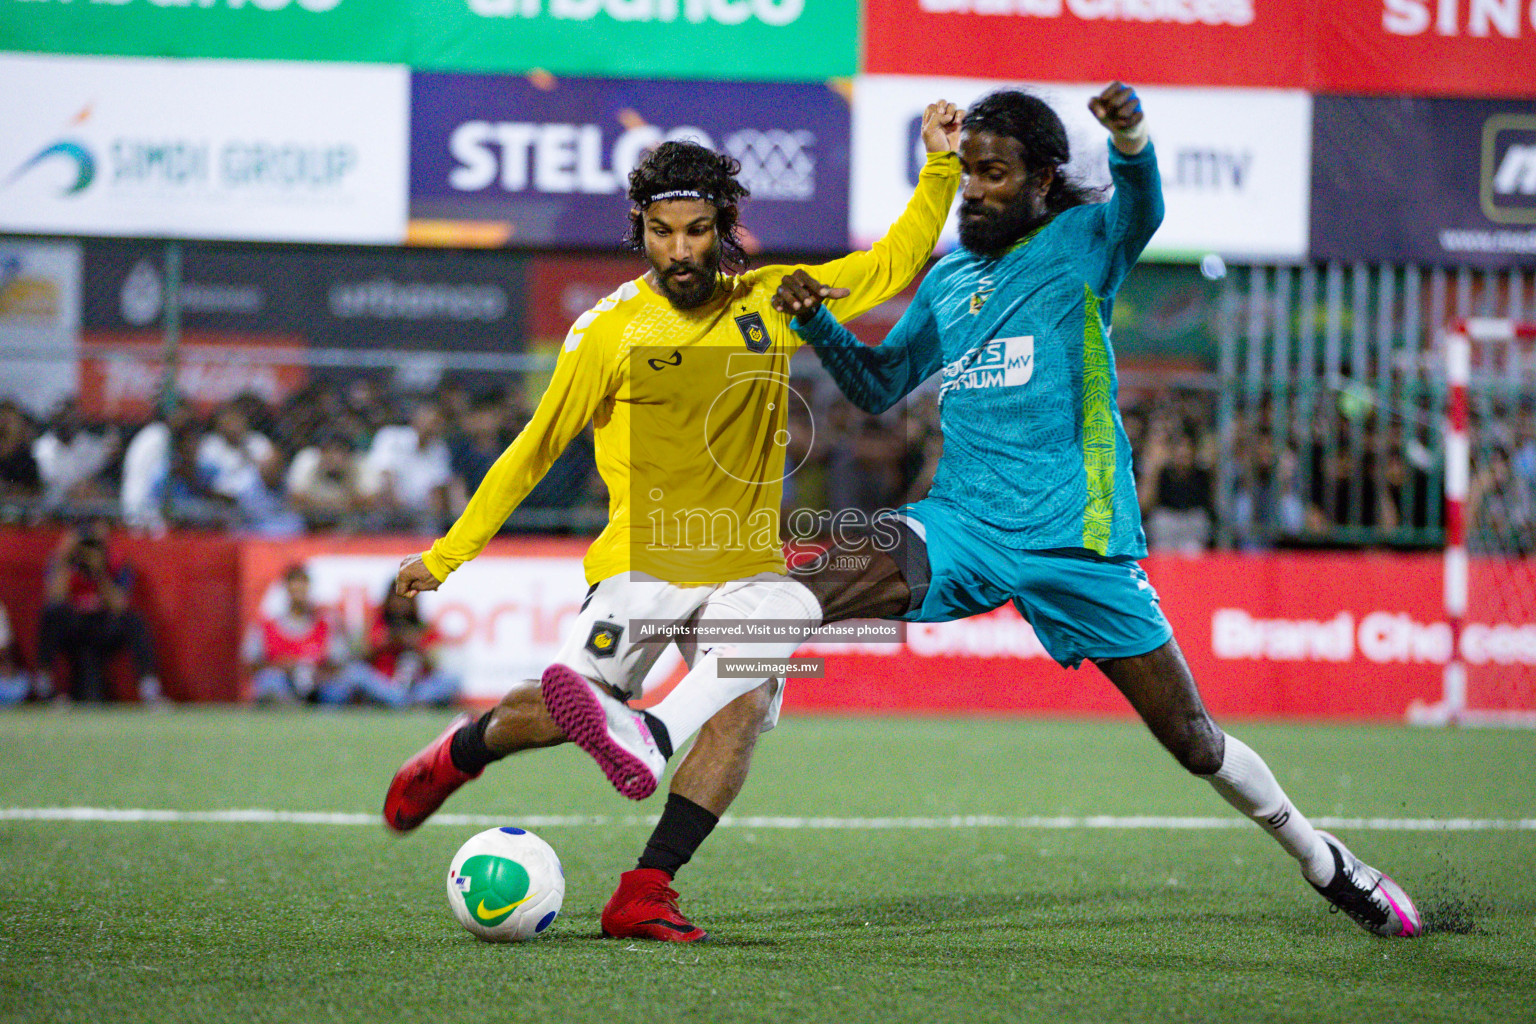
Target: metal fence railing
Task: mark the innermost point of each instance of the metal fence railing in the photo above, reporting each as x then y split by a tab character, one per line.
1332	399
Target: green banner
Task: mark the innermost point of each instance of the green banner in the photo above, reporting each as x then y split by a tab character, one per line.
783	40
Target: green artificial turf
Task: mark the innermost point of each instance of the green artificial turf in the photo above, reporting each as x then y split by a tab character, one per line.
197	921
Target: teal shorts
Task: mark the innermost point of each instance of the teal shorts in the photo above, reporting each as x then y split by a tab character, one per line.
1079	604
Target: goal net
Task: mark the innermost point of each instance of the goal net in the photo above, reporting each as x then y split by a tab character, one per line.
1490	546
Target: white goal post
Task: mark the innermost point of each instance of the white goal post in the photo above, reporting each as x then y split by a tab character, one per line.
1490	527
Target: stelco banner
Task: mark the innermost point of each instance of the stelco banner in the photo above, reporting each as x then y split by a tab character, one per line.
1233	161
260	151
1466	197
783	40
1414	47
548	160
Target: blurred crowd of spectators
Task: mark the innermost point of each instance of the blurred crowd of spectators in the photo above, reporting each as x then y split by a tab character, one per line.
354	457
357	458
1331	479
351	458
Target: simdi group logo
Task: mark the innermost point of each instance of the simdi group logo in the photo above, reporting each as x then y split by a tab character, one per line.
161	163
62	151
227	149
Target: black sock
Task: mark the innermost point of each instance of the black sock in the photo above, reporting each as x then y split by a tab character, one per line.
683	826
659	734
468	751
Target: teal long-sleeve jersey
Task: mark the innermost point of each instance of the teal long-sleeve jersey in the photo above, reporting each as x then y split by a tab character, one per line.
1033	441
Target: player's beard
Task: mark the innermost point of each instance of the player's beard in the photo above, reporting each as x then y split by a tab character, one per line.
993	231
698	288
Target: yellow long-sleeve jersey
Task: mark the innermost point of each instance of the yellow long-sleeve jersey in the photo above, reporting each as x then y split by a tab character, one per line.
691	412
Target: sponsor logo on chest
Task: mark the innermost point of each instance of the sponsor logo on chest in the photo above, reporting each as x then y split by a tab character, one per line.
1001	363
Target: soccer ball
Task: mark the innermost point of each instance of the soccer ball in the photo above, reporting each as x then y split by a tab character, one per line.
505	884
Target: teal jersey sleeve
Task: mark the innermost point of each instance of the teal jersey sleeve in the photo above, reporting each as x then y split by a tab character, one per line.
1117	231
876	378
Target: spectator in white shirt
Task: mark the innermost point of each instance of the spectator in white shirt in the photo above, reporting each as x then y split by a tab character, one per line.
243	464
146	463
327	482
70	458
413	467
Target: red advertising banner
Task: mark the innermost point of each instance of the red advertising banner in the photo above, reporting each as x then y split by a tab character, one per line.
1347	636
122	374
561	288
186	587
1413	47
1161	42
1426	47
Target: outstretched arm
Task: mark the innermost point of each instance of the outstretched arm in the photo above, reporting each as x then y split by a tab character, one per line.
584	377
874	379
865	279
1134	212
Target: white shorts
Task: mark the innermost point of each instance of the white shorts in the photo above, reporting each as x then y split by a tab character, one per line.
601	645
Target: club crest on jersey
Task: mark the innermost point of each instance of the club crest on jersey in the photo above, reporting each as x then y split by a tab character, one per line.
754	332
983	292
603	641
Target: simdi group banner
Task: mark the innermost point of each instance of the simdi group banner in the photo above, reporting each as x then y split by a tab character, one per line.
1411	47
1234	162
202	149
544	161
781	40
1467	196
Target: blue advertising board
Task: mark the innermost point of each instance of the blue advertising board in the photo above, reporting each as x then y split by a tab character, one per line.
1439	181
547	160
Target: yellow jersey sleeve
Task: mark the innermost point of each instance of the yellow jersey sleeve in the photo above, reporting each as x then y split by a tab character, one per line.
586	374
878	273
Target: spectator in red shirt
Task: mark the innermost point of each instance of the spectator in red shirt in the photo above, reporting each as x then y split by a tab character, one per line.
299	654
400	665
88	621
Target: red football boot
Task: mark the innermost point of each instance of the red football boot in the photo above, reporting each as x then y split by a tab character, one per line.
424	782
644	906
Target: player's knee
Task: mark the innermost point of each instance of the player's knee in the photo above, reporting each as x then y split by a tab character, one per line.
742	719
1200	746
751	708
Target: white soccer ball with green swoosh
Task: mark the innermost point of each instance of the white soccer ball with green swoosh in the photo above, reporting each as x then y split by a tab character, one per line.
506	884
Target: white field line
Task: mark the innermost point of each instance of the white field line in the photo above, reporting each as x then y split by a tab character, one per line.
258	816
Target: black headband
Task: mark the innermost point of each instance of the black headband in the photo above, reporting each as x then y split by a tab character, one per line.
681	193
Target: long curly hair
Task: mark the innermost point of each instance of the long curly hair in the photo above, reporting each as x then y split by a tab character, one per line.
1039	130
689	167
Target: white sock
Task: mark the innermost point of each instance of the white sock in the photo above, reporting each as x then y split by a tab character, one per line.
703	691
1246	783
